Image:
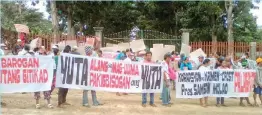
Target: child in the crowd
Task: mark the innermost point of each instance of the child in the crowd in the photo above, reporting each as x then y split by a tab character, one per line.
186	64
258	82
221	100
204	67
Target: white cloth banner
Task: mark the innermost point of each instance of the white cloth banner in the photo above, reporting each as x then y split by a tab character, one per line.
214	83
25	73
89	73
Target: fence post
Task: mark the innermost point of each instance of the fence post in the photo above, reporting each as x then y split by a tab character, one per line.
99	33
185	36
253	50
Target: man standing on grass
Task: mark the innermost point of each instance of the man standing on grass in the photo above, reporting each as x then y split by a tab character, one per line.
148	57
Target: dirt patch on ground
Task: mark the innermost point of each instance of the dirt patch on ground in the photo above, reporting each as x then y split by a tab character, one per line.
24	104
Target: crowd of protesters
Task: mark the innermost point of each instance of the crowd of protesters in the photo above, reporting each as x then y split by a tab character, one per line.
170	69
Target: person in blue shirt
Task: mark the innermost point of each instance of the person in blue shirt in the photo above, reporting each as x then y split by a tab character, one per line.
186	64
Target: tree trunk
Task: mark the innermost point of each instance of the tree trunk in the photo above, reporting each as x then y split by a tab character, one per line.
54	22
214	36
230	38
69	22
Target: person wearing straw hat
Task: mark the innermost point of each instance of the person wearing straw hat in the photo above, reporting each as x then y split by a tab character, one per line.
89	52
258	82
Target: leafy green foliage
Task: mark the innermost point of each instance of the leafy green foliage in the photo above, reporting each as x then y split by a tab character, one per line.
10	15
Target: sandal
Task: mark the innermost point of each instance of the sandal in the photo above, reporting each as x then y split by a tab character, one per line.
50	106
37	106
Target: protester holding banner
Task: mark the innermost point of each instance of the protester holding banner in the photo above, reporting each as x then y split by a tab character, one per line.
186	64
62	92
55	52
47	96
221	100
244	65
258	82
148	59
89	52
204	67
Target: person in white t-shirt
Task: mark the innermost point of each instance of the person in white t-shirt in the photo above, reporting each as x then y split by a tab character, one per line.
166	89
199	62
129	57
204	67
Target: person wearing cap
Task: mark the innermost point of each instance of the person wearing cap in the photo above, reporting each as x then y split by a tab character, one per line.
89	52
258	82
74	51
18	47
199	62
186	64
148	59
166	88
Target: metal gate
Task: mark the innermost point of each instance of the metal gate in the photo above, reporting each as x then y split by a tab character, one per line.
150	37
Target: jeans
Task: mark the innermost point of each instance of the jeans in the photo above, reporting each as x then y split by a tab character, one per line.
220	100
166	94
144	98
85	97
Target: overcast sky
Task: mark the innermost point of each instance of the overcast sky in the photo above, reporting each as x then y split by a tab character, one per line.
42	8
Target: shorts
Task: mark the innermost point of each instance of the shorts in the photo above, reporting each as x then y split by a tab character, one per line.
258	90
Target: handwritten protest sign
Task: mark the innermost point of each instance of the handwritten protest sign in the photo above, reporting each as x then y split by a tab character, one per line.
158	45
25	74
110	55
197	53
137	45
185	49
214	83
170	48
158	53
89	73
90	41
21	28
